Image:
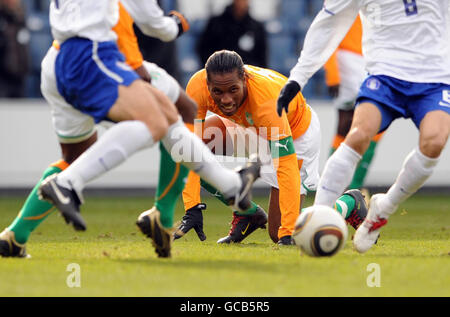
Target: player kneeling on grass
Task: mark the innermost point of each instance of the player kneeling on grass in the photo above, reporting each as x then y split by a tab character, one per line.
243	97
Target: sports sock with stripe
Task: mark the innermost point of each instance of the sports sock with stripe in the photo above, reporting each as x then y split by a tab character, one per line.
363	167
344	205
172	178
34	211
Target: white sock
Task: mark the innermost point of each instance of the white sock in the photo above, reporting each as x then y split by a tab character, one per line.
114	147
337	175
188	149
416	169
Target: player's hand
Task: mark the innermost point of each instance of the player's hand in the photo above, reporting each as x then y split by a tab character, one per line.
183	24
192	219
333	91
289	91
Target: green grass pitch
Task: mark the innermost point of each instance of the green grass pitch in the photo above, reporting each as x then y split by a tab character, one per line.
413	257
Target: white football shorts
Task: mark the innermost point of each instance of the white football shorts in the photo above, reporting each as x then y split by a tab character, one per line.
73	126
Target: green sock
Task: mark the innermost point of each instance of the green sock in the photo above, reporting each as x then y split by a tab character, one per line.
172	178
344	205
219	196
33	212
363	167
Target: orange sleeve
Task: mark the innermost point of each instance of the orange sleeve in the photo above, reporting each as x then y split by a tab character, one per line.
289	182
331	67
196	90
285	163
126	39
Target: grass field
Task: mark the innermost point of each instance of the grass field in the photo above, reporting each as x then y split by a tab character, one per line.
413	255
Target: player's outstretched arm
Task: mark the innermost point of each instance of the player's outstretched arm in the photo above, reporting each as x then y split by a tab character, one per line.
323	37
151	20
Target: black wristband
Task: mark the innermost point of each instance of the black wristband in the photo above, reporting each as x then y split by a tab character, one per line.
178	21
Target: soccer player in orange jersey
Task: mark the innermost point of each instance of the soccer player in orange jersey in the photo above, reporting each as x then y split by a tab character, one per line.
244	96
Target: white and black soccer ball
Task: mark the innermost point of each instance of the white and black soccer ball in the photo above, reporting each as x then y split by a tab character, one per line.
320	231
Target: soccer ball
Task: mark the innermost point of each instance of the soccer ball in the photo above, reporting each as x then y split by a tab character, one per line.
320	231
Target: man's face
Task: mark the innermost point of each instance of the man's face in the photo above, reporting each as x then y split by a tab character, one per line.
240	8
228	91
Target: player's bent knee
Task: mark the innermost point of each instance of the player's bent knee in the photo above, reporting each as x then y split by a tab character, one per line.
167	107
432	146
358	140
159	129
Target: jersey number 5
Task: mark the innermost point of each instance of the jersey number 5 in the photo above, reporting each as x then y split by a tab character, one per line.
410	7
446	96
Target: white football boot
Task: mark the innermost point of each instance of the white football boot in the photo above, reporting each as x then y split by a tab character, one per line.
367	234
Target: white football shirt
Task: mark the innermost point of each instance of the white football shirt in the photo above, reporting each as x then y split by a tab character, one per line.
91	19
94	19
404	39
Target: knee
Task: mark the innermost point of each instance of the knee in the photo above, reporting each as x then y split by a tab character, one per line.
159	129
431	145
168	109
172	115
358	139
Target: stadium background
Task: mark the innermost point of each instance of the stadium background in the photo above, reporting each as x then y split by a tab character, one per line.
28	143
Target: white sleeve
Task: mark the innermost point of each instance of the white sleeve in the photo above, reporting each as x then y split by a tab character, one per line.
323	37
151	20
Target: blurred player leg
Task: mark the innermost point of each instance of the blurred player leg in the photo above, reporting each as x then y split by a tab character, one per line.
75	132
171	183
33	212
